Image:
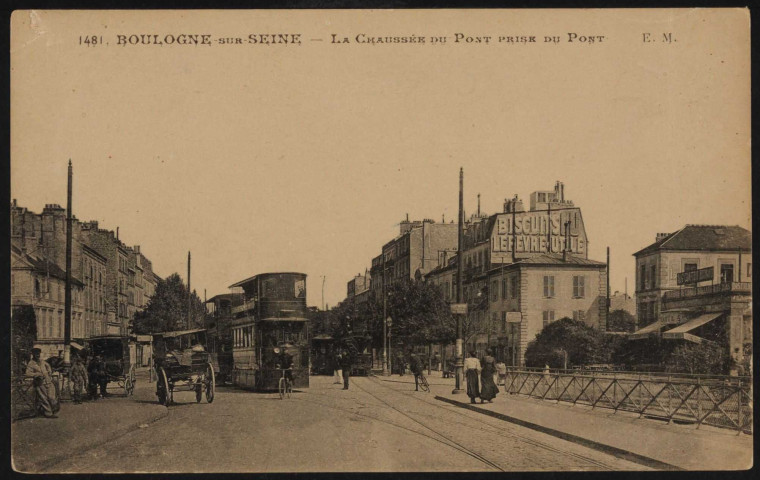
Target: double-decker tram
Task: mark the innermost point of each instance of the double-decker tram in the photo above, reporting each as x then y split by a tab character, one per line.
270	321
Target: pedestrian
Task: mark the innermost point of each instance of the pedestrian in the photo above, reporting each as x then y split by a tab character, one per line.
437	362
78	378
501	372
102	376
93	377
488	388
400	366
345	364
415	365
335	361
472	371
46	401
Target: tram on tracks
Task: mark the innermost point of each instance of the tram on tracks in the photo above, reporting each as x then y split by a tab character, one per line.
269	317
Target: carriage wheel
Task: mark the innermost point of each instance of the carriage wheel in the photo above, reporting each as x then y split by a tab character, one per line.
210	383
162	388
424	384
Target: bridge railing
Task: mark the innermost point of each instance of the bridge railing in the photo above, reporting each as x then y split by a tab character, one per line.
710	400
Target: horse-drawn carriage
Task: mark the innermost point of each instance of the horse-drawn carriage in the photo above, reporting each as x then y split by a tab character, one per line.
183	364
120	366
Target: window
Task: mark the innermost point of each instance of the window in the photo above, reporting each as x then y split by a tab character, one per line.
653	272
503	322
727	273
36	287
579	315
50	324
515	290
643	277
494	326
548	317
689	267
504	288
749	270
548	286
579	286
494	291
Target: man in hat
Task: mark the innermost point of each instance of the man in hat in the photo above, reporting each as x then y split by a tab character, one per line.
47	403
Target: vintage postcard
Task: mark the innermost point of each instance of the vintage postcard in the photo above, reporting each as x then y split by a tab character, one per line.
381	240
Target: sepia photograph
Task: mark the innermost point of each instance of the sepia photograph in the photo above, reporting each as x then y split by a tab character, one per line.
447	240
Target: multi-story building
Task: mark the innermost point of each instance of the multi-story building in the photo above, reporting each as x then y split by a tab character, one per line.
413	253
695	280
727	249
41	284
510	258
116	281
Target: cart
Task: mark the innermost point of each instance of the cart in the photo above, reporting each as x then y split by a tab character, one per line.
183	364
115	351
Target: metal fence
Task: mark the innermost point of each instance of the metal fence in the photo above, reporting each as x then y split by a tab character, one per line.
23	395
719	401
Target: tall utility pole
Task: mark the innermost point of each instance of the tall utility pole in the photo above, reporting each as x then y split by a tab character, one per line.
386	371
323	291
188	290
607	323
67	295
460	333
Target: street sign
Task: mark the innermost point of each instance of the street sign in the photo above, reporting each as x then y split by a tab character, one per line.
514	317
695	276
459	309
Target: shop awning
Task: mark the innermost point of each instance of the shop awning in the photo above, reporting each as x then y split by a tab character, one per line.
76	345
645	331
681	331
178	333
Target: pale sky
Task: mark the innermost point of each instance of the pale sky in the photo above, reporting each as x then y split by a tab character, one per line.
305	158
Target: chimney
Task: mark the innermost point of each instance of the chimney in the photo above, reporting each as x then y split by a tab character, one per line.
14	203
661	236
478	205
117	233
136	248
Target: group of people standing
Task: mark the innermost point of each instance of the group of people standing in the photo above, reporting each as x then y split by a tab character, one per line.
342	363
480	377
83	375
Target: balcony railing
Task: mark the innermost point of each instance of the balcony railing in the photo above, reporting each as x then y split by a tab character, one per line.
689	292
242	308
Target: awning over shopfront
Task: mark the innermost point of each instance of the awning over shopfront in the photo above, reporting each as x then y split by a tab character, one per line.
76	346
681	331
645	331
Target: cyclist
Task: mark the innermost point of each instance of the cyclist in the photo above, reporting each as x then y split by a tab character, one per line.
285	362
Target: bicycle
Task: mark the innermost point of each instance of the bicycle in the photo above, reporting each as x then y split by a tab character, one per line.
423	383
285	385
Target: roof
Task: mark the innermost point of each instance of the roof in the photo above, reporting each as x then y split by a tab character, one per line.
249	279
46	267
551	259
704	237
221	296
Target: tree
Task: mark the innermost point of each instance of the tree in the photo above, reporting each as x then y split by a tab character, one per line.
621	321
167	309
699	358
581	343
420	314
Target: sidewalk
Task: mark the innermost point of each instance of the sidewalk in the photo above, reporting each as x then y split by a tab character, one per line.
40	442
623	434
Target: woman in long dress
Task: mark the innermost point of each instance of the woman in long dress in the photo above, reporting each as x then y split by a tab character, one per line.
488	388
472	372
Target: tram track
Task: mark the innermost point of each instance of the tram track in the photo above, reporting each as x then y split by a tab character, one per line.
466	422
496	430
440	438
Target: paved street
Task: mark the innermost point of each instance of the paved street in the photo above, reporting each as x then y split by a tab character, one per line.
377	425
